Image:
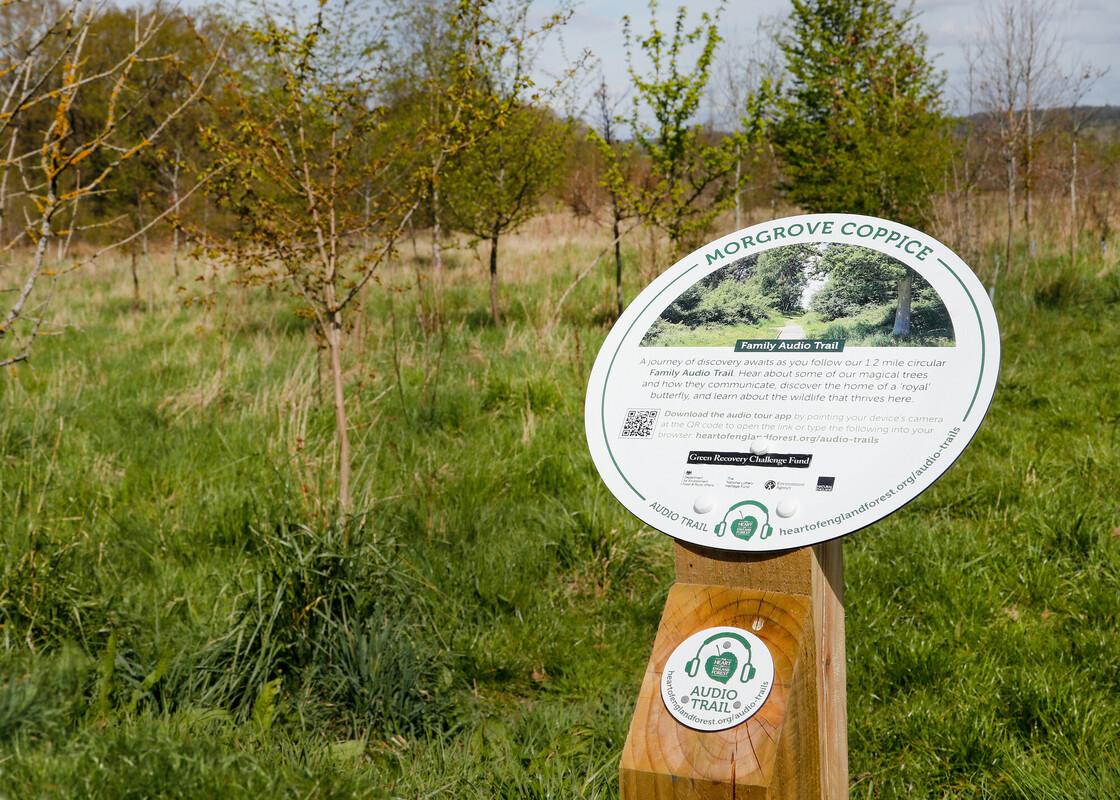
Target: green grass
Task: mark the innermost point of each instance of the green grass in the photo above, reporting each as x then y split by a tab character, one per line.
182	619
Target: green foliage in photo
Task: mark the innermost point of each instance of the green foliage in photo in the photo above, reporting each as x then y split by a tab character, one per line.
855	298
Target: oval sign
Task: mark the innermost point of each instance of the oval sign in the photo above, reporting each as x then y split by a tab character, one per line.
792	382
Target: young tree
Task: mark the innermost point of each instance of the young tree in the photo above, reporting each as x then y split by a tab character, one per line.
436	39
1001	96
619	156
1019	53
859	122
493	185
292	182
496	185
318	170
1039	51
69	122
1080	82
692	171
736	91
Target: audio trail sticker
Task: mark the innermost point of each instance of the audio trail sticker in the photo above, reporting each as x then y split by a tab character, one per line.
717	678
792	382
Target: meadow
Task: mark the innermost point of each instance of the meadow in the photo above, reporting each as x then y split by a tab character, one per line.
182	616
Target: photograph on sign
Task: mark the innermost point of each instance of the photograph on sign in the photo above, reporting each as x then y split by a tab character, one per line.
832	292
717	678
792	382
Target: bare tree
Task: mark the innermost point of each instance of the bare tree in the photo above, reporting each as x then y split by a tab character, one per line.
967	170
1020	55
1043	87
737	81
1081	82
1001	95
45	70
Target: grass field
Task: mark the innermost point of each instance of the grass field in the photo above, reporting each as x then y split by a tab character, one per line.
182	619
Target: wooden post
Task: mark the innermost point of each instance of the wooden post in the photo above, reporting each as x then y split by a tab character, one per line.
796	746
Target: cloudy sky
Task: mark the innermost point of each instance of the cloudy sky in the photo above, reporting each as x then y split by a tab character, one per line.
1090	30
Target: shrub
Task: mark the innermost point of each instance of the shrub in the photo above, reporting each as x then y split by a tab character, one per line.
331	623
731	302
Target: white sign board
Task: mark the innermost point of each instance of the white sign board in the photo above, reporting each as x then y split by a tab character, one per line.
717	678
792	382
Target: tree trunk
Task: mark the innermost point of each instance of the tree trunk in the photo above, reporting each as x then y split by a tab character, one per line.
1028	175
175	220
617	257
495	317
437	254
143	249
334	346
1073	204
140	223
905	297
1010	208
738	188
135	283
366	239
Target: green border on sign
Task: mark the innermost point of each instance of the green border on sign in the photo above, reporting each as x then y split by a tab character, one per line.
983	344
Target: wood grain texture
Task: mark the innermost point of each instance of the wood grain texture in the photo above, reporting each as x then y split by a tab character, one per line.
786	572
665	759
832	678
795	746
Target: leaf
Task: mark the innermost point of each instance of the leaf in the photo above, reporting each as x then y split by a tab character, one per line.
264	707
105	676
151	680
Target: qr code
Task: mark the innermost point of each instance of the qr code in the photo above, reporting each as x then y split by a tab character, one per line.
639	423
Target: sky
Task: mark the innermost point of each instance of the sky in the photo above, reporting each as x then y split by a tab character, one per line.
1090	30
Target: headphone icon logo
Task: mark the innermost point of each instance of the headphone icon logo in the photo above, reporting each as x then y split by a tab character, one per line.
721	666
744	519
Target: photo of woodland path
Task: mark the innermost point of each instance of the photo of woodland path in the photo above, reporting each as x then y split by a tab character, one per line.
817	291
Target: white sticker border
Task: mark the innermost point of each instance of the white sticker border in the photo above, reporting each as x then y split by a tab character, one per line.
761	660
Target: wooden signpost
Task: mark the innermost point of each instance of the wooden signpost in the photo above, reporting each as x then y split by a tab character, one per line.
796	746
757	455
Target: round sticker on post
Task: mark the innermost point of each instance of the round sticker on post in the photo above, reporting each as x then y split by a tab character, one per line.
792	382
717	678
